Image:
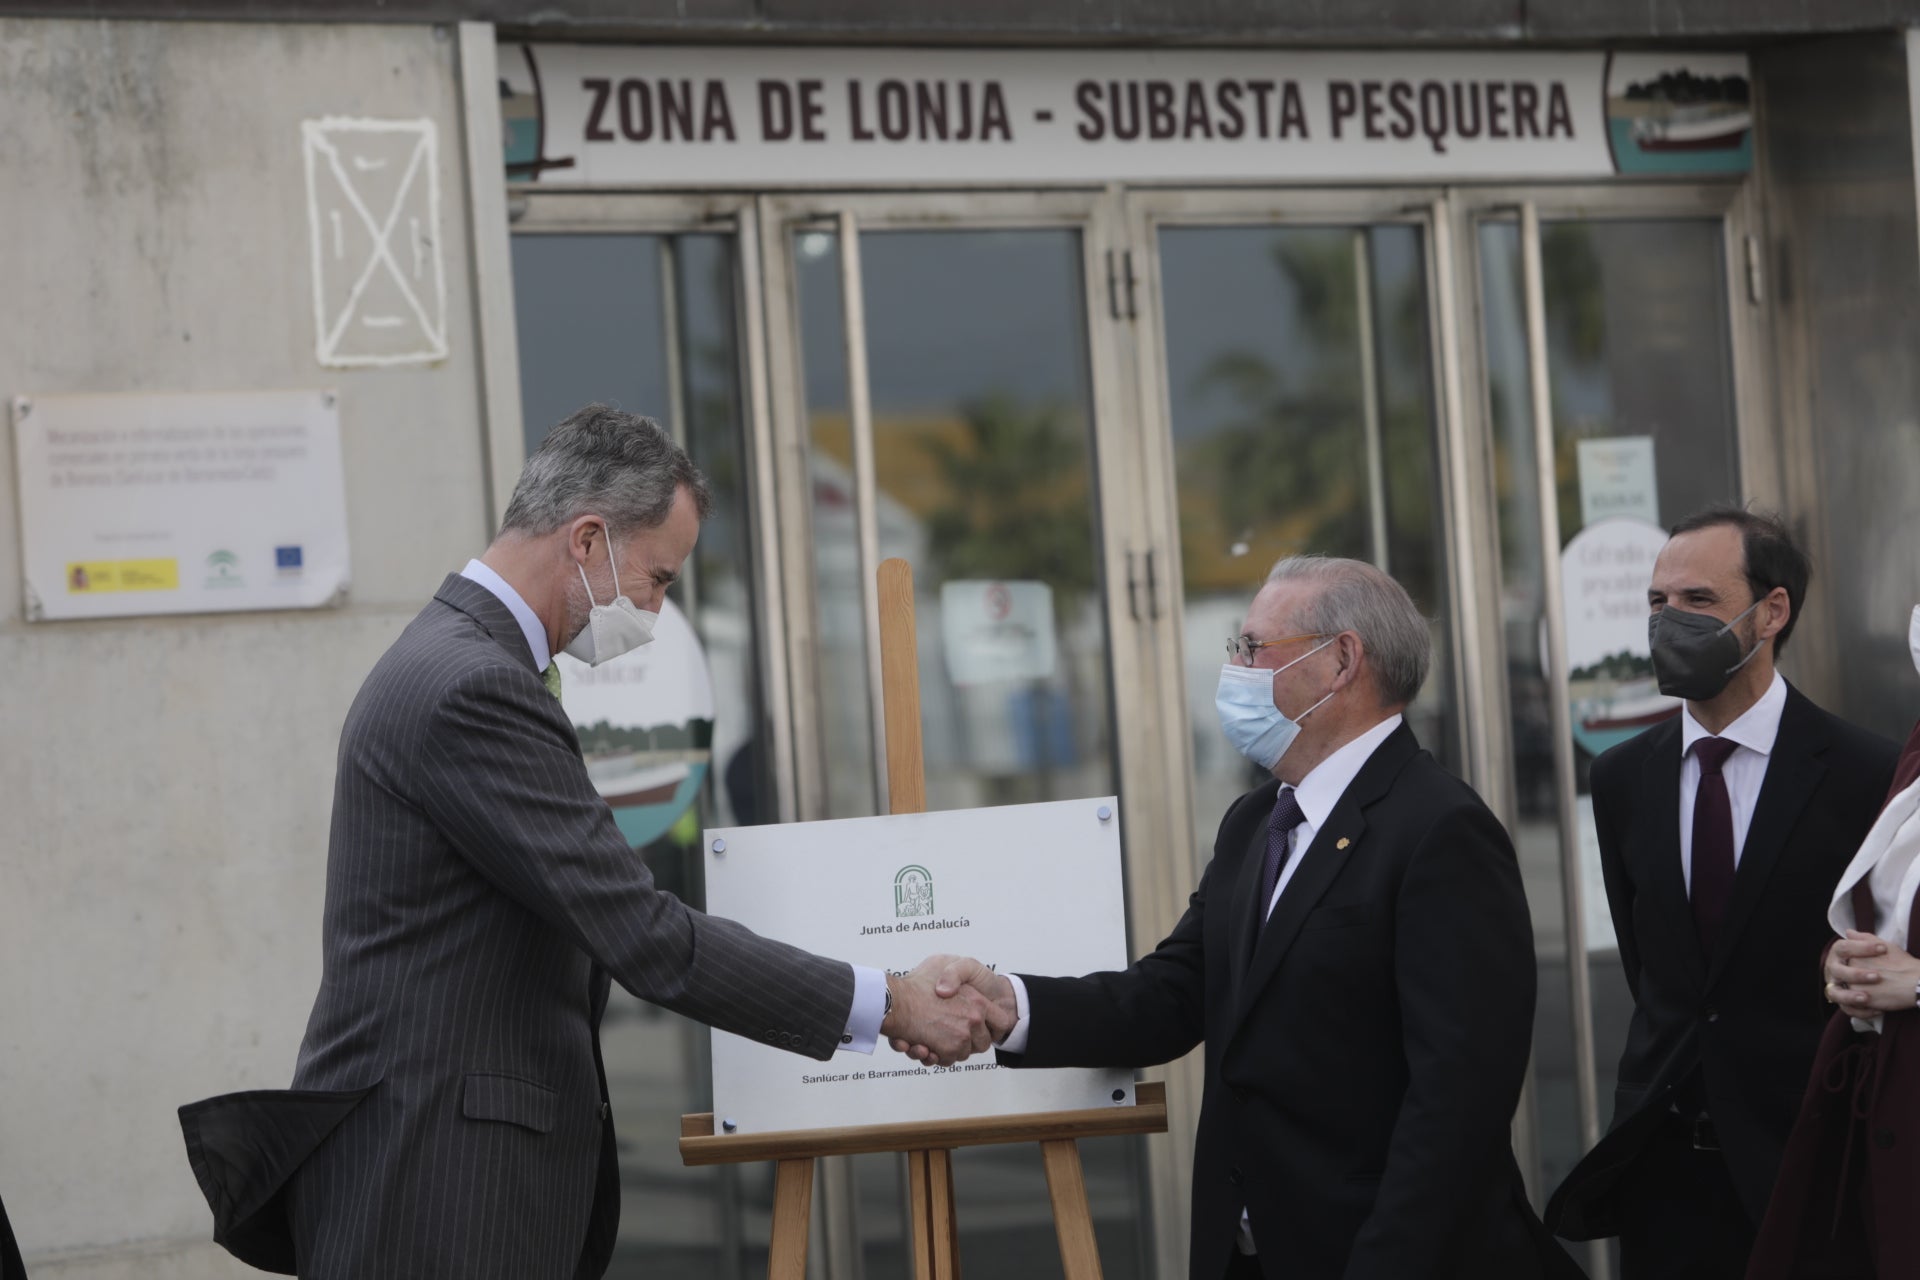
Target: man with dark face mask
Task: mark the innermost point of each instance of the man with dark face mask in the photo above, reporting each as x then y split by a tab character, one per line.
1722	832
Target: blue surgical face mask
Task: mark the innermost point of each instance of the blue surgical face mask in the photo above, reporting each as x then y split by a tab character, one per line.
1257	728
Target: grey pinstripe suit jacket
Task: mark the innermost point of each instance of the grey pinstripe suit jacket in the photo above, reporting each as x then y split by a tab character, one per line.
448	1116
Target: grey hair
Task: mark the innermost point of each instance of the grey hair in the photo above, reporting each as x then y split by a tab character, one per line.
603	462
1354	596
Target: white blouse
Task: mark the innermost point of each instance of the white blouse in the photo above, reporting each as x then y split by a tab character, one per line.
1889	860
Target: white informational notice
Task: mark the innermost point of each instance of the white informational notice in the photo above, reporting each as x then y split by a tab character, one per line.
997	631
180	503
1616	480
1024	888
665	115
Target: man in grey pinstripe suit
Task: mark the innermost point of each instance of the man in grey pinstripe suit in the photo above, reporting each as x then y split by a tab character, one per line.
449	1113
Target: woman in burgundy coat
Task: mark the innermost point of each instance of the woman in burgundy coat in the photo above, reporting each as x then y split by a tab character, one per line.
1847	1201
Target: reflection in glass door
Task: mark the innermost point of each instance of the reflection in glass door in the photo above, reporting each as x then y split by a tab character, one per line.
1611	402
949	420
1300	389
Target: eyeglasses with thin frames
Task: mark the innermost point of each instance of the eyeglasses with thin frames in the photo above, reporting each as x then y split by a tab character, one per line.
1243	648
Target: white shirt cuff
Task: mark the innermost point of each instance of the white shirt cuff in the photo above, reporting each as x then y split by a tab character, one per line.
1016	1041
869	1008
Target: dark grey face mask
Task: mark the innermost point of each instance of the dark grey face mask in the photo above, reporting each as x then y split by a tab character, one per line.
1695	654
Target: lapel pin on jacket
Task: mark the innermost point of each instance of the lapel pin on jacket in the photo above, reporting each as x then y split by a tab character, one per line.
1342	843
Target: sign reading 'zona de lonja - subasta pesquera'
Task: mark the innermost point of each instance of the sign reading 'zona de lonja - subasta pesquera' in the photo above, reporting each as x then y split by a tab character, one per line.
760	117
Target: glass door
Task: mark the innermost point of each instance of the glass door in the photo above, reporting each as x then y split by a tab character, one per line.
1611	330
1291	374
941	394
1293	351
638	302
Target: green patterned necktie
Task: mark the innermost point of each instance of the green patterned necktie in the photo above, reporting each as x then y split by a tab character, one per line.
551	678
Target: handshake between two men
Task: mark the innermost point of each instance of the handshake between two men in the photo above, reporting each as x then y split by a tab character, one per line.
948	1009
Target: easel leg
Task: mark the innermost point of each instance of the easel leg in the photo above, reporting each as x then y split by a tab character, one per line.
936	1238
1072	1218
792	1209
945	1216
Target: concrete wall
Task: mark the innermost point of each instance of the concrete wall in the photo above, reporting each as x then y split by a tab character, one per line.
166	784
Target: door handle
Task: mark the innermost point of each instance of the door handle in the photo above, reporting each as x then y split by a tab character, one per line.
1137	582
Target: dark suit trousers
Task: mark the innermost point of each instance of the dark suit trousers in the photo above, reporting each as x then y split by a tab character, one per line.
11	1268
1242	1267
1680	1216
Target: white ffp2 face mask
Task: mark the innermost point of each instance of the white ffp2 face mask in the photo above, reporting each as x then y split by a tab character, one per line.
612	629
1913	637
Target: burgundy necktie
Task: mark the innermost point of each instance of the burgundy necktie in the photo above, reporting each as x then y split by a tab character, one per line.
1712	840
1285	817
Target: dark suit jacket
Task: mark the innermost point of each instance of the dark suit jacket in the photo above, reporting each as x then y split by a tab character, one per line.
1364	1051
449	1113
1749	1016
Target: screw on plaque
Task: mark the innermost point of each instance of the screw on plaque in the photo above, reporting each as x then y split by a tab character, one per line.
719	846
728	1125
1104	812
1119	1095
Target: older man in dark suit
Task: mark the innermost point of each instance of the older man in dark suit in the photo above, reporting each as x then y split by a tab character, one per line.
449	1114
1722	833
1357	959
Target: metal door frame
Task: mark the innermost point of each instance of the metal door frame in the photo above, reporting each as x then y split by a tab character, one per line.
1759	463
532	211
1118	490
1147	211
1136	499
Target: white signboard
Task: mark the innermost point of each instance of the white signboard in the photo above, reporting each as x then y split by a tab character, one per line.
1616	480
183	503
1024	888
674	115
1613	695
373	218
997	631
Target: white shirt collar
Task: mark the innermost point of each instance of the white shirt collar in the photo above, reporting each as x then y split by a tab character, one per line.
1327	781
1756	728
530	624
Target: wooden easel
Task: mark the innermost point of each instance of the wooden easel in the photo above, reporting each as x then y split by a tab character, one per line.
929	1144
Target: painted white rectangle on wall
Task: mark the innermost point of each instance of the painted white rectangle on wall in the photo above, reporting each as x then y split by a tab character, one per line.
682	116
1025	888
373	220
180	503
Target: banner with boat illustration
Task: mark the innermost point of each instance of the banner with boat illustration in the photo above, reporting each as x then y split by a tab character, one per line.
1604	572
1679	113
645	722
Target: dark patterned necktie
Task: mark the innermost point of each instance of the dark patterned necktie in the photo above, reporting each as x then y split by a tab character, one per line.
1285	817
1712	841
